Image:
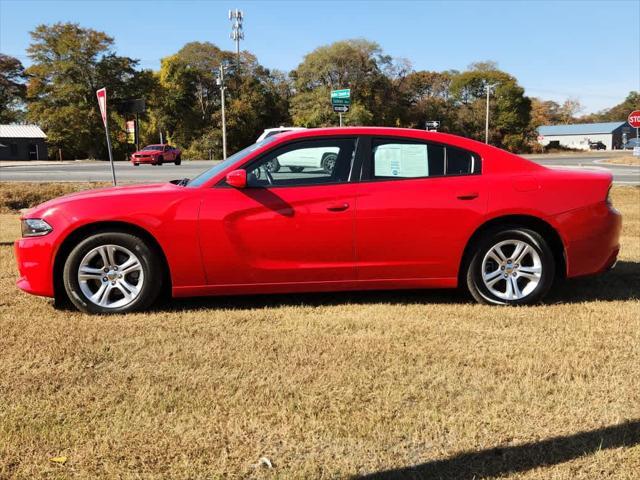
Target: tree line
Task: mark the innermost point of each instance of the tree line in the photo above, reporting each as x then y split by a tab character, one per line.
69	63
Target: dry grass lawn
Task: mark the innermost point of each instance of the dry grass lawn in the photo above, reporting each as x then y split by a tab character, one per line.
625	160
403	384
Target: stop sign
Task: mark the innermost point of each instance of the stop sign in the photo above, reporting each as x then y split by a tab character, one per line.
634	119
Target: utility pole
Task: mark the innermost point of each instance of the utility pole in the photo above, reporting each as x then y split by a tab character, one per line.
220	82
488	87
236	16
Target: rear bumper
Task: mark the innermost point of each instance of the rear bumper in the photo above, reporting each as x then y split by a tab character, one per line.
592	239
34	266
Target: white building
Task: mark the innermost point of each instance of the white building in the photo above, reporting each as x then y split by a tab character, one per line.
579	135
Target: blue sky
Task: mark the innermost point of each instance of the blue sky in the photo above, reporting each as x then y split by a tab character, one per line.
588	50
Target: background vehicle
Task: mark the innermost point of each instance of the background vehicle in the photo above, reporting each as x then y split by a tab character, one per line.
400	209
631	144
269	132
597	146
157	155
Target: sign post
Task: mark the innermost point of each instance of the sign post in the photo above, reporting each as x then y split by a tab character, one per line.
341	101
634	121
102	103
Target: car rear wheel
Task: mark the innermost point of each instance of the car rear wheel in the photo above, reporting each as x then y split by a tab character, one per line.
136	164
178	160
329	162
513	266
112	272
160	160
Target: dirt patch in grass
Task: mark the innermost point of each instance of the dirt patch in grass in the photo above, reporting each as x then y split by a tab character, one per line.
624	160
331	385
15	196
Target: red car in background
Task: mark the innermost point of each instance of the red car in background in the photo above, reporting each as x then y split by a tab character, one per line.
157	155
397	209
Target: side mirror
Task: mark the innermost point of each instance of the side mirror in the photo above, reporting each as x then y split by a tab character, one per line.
237	178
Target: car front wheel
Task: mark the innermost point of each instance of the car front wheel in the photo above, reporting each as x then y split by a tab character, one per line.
112	272
511	267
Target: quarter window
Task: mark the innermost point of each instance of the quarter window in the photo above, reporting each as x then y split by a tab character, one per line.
311	162
410	159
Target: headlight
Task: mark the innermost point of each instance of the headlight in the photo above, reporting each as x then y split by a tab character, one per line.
35	227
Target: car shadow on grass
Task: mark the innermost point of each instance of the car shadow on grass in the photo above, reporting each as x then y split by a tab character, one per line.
622	283
505	460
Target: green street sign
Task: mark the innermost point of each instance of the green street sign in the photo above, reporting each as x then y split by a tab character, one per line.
341	97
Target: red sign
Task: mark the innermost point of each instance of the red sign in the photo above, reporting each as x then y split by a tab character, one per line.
634	119
102	103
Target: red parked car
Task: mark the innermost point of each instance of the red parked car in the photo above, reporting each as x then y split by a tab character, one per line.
157	155
399	209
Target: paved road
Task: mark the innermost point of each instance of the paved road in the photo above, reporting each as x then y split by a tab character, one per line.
88	171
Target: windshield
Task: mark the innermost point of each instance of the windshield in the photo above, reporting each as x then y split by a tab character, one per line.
153	147
207	175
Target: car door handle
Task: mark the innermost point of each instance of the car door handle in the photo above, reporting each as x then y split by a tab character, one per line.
468	195
338	207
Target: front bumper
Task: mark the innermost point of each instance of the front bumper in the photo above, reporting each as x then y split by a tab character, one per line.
34	258
144	159
592	239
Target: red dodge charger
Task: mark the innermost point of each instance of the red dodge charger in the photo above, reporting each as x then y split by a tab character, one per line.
397	209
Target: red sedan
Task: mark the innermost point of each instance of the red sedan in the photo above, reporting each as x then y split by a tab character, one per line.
398	209
157	155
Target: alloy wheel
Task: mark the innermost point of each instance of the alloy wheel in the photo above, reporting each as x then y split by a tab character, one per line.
110	276
511	269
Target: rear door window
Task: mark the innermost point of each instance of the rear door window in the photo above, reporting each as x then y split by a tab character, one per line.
405	158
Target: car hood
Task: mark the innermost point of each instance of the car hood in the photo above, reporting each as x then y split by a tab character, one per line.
98	194
146	152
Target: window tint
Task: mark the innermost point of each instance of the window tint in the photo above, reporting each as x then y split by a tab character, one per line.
413	159
310	162
460	162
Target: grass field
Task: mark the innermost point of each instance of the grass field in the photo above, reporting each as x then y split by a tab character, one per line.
381	385
625	160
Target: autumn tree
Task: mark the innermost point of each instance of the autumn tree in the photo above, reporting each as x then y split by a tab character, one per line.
426	96
618	112
12	89
69	64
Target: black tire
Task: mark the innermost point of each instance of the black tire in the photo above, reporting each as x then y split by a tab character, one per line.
474	274
296	169
329	162
148	259
178	160
136	164
160	160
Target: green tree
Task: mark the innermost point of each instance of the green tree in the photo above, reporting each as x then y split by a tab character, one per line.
12	89
356	64
69	64
189	105
510	109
